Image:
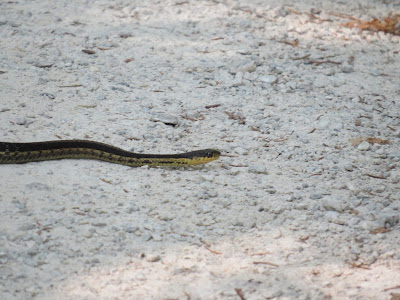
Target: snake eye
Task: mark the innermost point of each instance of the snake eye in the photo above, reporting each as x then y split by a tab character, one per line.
212	153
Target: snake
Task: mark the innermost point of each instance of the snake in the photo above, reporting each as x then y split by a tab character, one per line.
19	153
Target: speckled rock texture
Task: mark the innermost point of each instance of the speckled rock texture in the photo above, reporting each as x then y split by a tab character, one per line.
303	204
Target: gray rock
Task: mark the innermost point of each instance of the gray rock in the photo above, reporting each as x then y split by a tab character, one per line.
238	80
270	190
395	154
167	119
258	169
156	237
244	66
153	258
346	68
27	226
388	220
207	178
268	79
364	146
334	217
130	228
333	204
20	121
280	11
241	151
291	85
101	97
349	167
316	196
37	186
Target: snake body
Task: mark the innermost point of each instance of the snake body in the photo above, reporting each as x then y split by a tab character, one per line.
18	153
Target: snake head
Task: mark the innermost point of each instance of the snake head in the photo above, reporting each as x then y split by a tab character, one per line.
212	153
203	156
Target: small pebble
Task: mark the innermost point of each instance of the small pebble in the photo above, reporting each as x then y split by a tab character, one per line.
167	119
258	169
333	204
388	220
130	229
316	196
153	258
268	78
334	217
99	224
208	178
244	66
241	151
270	190
20	121
349	167
364	146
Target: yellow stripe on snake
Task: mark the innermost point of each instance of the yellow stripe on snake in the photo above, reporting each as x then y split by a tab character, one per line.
18	153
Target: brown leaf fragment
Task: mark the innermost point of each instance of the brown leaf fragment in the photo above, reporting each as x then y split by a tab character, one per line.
294	43
379	230
372	140
360	266
395	296
356	141
354	212
390	24
296	12
255	129
106	181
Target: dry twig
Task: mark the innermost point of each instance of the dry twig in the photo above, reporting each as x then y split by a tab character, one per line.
237	116
212	106
240	294
392	288
265	263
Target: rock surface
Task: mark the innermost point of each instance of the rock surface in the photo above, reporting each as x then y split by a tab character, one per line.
293	210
